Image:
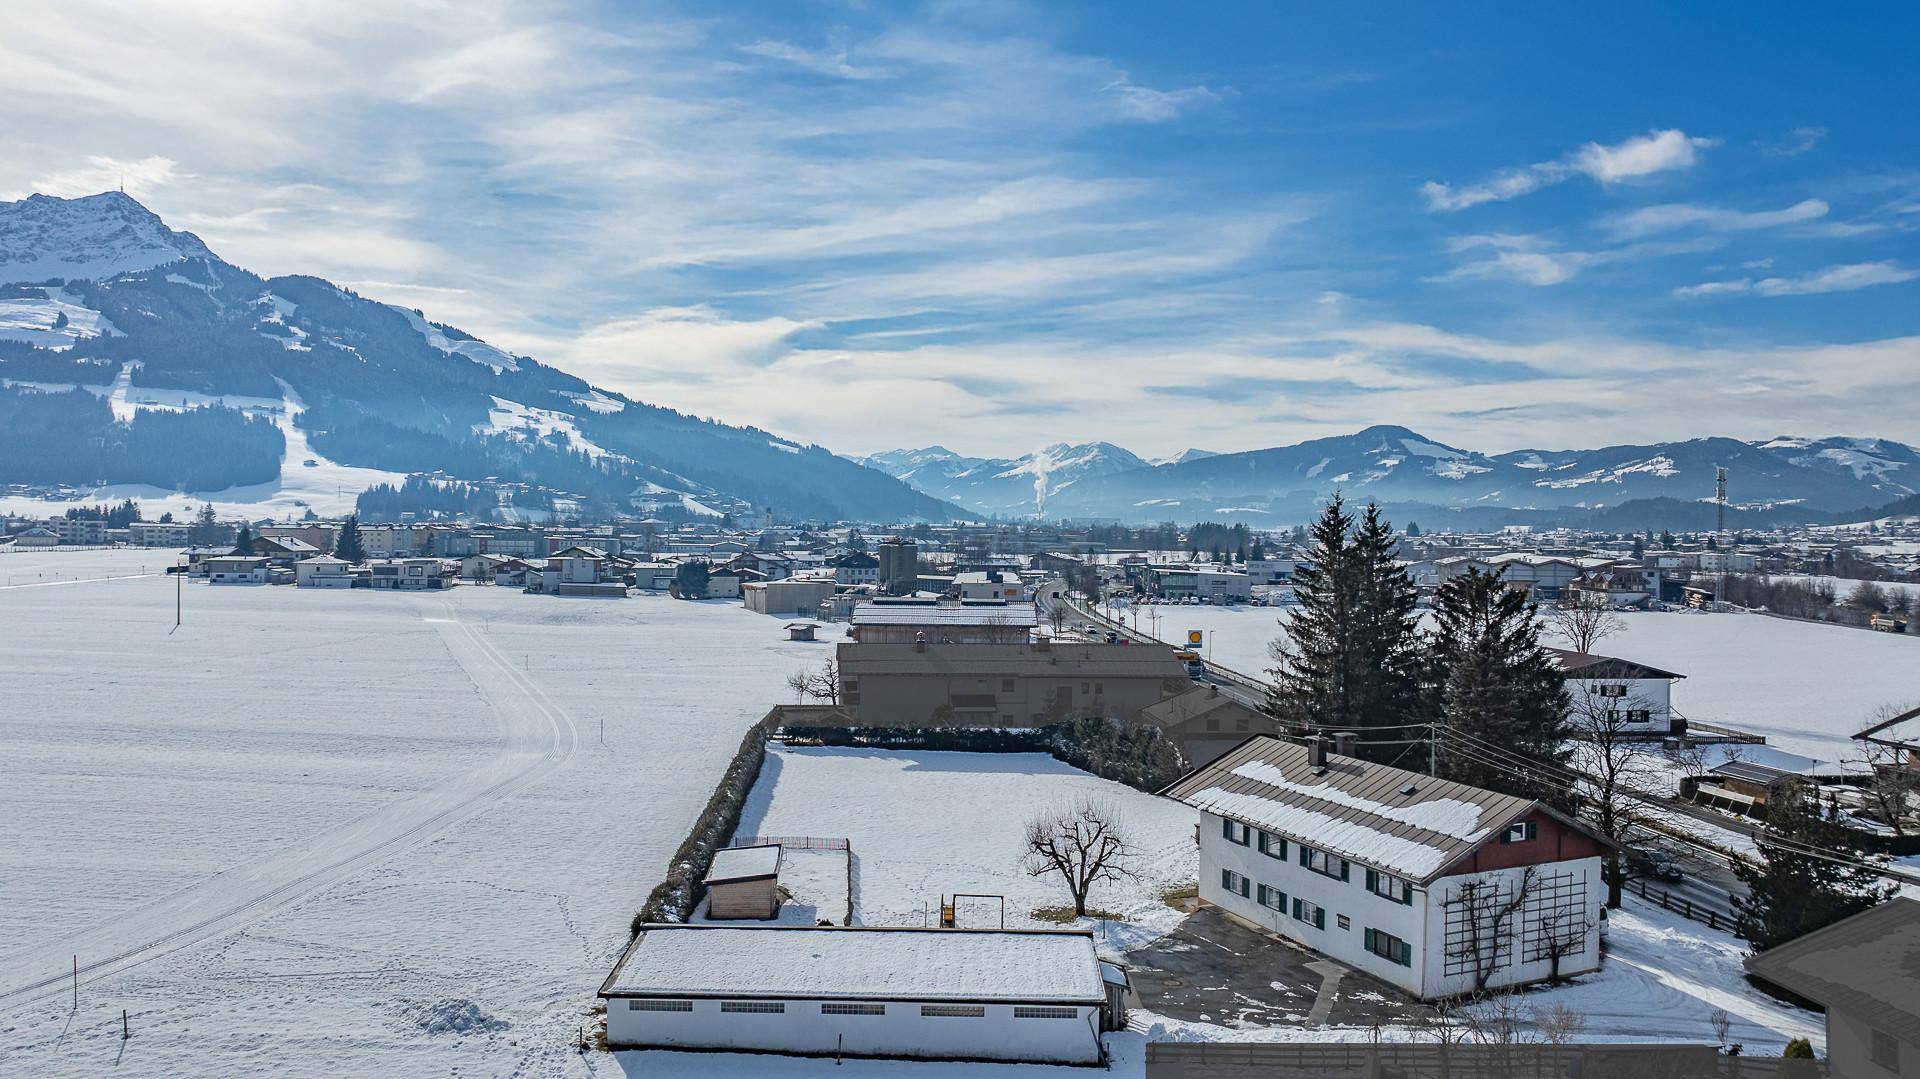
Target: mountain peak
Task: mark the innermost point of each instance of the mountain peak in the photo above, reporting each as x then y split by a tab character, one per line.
44	237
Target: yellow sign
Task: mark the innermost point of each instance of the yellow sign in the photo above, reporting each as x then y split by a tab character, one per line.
1194	638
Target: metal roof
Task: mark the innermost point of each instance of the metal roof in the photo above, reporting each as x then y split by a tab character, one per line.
1866	967
1407	823
887	614
1011	660
1588	665
744	863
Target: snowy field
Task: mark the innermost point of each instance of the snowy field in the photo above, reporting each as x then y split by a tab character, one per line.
1804	685
350	832
922	824
27	566
1844	586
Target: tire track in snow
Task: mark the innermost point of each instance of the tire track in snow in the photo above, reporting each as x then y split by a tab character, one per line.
539	737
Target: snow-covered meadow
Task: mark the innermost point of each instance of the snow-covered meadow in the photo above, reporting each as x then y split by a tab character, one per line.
1805	685
352	832
922	824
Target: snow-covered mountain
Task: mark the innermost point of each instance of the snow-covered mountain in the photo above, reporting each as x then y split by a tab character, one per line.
1004	487
1188	454
95	237
135	362
1393	464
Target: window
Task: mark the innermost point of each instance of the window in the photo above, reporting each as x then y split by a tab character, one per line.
1273	846
1033	1012
1522	832
1886	1051
1331	865
1006	685
1235	832
1099	688
659	1005
1613	691
1639	715
1389	947
953	1011
1388	886
1309	913
765	1007
1274	898
835	1008
1213	723
1234	882
1344	921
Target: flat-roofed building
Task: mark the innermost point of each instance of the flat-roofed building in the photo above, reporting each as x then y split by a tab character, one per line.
1003	685
865	991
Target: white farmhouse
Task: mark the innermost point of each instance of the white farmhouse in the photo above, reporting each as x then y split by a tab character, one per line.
235	569
1629	697
1433	886
864	991
323	571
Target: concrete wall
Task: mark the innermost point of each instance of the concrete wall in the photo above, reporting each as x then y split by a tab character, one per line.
902	1031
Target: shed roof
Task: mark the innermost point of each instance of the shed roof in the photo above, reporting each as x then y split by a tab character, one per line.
1867	967
1407	823
744	863
859	963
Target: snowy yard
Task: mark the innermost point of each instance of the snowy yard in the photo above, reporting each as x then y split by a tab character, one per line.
925	824
395	833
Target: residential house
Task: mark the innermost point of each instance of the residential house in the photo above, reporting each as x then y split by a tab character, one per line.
323	571
1617	587
855	567
413	574
1205	723
235	569
577	571
1865	972
1033	995
158	533
37	536
80	531
1626	696
284	550
1436	887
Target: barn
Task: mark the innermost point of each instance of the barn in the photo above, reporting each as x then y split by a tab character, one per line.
866	991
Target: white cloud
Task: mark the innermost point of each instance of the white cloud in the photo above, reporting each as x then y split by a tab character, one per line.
1671	217
1642	155
1795	142
1534	261
832	62
1845	278
1148	105
101	173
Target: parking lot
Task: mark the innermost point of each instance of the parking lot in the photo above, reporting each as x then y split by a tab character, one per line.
1215	970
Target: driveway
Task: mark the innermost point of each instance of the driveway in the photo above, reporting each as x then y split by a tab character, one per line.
1215	970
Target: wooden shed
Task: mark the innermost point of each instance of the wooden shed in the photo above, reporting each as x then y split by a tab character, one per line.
744	882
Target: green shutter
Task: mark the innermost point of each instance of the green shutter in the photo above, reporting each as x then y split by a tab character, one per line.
1226	828
1406	894
1368	938
1373	882
1305	853
1320	917
1346	867
1226	879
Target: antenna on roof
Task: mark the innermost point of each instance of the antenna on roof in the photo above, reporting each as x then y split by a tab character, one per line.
1720	500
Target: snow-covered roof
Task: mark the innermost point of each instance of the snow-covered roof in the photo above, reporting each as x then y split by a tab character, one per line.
859	963
1407	823
744	863
889	614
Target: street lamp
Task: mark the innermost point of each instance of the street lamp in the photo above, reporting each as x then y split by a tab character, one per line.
179	586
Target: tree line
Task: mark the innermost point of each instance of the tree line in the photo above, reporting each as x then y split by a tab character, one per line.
73	438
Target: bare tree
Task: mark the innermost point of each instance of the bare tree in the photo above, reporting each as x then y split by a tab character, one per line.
1083	843
1483	911
1892	779
1722	1024
1584	623
1620	765
821	683
1562	933
1558	1023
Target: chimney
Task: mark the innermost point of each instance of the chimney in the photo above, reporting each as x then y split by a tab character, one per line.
1213	690
1317	751
1345	741
920	641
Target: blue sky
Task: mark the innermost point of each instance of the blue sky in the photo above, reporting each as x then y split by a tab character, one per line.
996	226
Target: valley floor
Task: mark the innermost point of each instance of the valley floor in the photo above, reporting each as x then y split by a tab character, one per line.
372	832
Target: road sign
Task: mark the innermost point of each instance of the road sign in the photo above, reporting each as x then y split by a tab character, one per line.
1195	637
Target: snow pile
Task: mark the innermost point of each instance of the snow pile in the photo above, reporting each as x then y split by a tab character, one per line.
455	1015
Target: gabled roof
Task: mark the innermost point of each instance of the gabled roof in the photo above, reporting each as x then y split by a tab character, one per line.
1406	823
1892	733
1588	665
1185	707
1866	967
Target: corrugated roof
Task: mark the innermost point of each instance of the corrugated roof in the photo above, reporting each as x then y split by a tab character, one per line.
1353	808
1866	967
859	963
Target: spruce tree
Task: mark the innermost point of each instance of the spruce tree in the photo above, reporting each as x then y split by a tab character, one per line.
1495	683
347	545
1794	892
243	540
1350	659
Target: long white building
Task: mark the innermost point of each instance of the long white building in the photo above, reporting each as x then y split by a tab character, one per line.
958	994
1433	886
